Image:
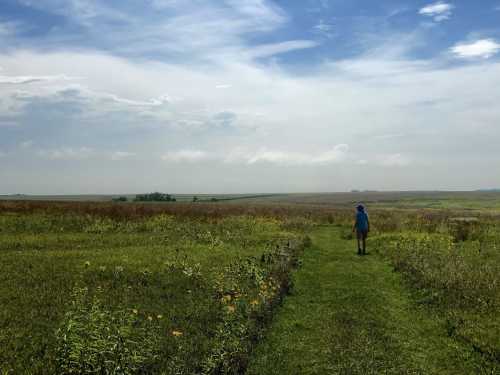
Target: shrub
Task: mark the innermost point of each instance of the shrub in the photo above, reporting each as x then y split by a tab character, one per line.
93	340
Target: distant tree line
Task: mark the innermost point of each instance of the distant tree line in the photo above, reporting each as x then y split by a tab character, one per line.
120	199
154	197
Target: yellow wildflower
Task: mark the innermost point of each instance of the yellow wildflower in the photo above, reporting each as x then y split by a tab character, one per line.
254	302
150	318
135	311
159	316
177	333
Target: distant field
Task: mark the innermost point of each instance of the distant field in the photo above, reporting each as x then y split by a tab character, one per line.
474	200
441	200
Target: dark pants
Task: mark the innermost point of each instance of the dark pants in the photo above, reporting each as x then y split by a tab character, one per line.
362	235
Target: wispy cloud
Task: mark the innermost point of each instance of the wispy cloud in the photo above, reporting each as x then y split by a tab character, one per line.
22	80
122	155
483	48
324	28
384	137
439	11
159	28
393	160
8	29
161	100
189	156
26	144
67	153
267	50
337	154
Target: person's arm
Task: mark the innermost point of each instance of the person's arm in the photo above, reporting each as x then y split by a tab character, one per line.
354	226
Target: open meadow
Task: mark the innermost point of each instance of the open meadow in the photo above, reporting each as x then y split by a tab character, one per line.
249	187
252	288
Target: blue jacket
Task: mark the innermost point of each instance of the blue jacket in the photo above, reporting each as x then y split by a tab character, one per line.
361	221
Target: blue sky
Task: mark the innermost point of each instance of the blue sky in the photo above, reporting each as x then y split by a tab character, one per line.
248	95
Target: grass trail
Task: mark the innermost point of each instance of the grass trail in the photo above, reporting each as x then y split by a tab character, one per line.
353	315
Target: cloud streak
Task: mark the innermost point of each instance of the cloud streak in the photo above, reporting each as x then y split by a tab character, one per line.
23	80
67	153
337	154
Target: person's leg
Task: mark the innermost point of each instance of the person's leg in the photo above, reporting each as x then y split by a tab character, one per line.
365	234
359	237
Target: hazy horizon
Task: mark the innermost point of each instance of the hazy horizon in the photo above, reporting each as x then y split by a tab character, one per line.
248	96
249	194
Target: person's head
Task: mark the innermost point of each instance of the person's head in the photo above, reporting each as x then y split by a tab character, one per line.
360	208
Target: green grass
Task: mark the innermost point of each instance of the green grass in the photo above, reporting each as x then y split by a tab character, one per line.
112	289
70	282
355	315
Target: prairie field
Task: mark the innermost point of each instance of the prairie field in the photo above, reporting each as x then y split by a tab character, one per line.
257	288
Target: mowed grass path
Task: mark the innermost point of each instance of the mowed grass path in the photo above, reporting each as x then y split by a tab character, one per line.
353	315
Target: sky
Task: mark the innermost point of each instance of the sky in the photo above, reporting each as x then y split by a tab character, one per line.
248	96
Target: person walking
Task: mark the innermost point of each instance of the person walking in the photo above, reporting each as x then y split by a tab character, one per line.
361	227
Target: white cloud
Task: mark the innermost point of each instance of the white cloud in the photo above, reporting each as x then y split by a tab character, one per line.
122	155
483	48
21	80
324	29
267	50
393	160
84	12
27	144
384	137
67	153
281	118
279	157
190	156
439	11
243	156
258	9
161	100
